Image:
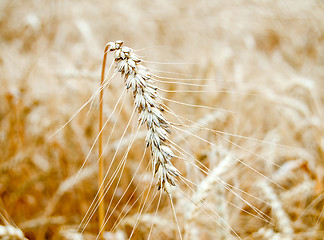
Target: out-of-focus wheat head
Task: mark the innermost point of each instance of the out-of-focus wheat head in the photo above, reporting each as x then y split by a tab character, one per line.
11	233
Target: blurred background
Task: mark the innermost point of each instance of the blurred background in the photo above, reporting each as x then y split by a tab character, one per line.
266	60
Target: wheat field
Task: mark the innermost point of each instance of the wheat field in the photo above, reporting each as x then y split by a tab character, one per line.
241	85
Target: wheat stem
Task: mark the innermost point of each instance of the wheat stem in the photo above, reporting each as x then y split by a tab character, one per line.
100	175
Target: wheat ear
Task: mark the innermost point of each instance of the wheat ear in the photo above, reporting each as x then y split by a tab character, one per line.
283	220
149	106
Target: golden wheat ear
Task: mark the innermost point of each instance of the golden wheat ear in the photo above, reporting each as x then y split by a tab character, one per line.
148	103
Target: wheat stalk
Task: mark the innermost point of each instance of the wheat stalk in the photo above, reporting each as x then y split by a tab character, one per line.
100	174
149	106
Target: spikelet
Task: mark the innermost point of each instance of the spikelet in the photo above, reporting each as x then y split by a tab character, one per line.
138	79
70	234
11	233
267	234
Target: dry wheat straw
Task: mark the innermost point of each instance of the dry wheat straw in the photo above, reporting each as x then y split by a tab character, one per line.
149	105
